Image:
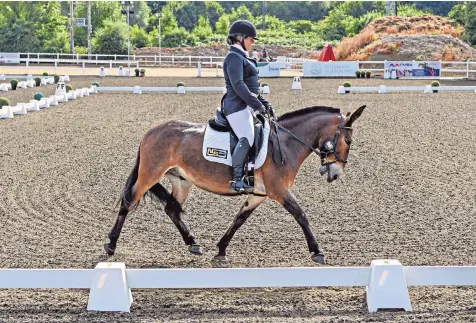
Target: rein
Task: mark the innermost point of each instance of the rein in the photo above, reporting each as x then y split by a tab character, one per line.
331	150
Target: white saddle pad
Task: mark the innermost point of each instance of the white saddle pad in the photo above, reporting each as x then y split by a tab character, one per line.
216	147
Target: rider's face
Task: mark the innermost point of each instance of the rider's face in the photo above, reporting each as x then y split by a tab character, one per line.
249	43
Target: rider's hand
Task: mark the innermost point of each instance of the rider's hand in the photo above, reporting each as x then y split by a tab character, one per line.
271	112
261	109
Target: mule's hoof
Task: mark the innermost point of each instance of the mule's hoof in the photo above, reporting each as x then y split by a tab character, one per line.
109	250
319	258
195	249
221	258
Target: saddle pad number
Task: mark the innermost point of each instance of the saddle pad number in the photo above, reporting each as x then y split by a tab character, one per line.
215	152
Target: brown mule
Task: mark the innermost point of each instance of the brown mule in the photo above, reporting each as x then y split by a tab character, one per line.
174	150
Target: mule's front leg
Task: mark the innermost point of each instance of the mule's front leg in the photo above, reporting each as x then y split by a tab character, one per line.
251	203
291	205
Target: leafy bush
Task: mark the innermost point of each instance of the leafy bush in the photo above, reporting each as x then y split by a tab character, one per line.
69	87
357	74
180	84
139	37
38	96
80	50
14	84
45	73
347	84
38	81
435	83
367	73
264	84
95	84
56	77
4	102
111	39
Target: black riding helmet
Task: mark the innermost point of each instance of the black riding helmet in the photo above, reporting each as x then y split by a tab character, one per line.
243	28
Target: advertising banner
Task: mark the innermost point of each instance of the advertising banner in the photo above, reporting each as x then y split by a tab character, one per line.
9	58
413	69
271	69
330	68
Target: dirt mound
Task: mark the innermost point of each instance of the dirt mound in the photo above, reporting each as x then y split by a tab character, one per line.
221	50
406	38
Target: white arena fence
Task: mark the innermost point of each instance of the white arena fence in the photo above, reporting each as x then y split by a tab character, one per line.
110	284
179	89
383	89
464	69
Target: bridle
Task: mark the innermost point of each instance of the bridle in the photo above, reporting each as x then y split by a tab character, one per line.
330	147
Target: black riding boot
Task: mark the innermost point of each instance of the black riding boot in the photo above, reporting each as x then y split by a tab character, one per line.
238	163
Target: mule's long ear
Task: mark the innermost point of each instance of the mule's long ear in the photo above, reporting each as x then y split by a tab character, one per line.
354	116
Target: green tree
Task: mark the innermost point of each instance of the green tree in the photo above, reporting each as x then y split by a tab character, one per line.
241	13
139	37
223	25
32	26
470	25
141	14
203	30
111	39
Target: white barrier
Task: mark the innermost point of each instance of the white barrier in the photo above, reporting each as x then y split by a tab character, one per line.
7	112
110	284
388	89
179	89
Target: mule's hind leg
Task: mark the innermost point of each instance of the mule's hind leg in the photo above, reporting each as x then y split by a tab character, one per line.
250	204
173	207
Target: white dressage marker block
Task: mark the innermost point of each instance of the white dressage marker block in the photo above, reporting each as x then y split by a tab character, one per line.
29	77
51	80
6	112
296	83
21	85
4	87
393	75
388	286
44	103
2	77
34	105
53	100
181	90
20	108
109	290
137	90
61	79
85	91
121	71
102	73
265	90
93	90
382	89
428	89
79	93
44	81
30	83
66	78
341	89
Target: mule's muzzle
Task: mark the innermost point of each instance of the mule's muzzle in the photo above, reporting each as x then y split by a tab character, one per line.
333	171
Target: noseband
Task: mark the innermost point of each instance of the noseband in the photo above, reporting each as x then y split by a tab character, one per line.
329	146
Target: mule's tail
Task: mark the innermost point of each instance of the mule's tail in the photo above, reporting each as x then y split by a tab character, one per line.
126	195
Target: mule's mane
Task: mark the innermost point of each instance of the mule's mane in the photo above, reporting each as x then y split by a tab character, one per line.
308	110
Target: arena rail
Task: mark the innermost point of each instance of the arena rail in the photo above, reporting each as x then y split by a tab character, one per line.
382	89
110	284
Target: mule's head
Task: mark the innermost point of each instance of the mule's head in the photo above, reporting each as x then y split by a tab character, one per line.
334	145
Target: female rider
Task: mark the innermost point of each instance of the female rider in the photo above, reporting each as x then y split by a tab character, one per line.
242	97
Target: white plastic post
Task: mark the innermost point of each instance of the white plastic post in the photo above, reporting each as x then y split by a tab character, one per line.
61	79
30	83
54	101
9	114
121	72
428	89
388	286
137	90
85	91
393	75
102	73
128	72
382	89
47	103
296	83
79	93
181	90
266	90
29	77
73	95
2	77
36	105
199	69
341	89
109	290
66	78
